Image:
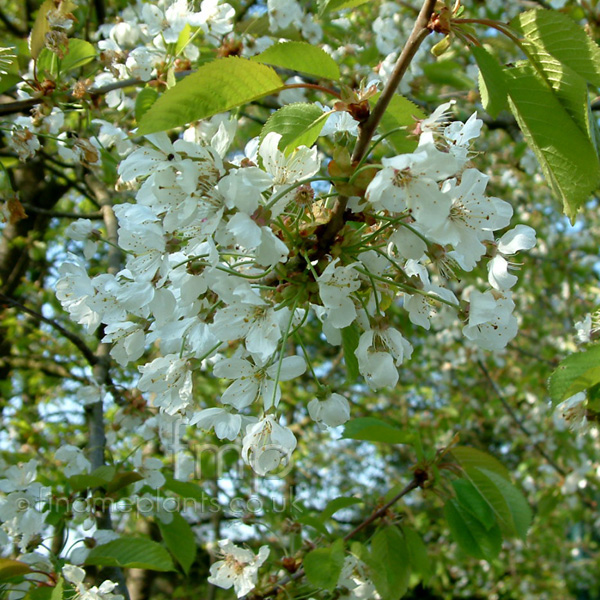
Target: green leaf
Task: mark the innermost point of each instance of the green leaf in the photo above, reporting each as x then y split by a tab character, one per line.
562	38
187	489
314	522
80	53
183	39
100	477
517	504
40	29
374	430
575	373
299	124
472	501
448	72
470	535
469	457
332	5
419	558
510	508
390	563
130	552
350	337
122	480
10	568
400	112
145	99
337	504
57	592
180	540
215	87
570	88
302	57
566	155
492	82
9	80
324	565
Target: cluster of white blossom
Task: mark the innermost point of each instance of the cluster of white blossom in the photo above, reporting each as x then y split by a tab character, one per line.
208	241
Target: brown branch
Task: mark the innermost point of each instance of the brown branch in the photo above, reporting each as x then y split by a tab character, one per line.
60	214
414	483
421	30
74	339
43	365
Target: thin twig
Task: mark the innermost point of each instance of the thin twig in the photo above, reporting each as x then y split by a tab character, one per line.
74	339
61	214
380	512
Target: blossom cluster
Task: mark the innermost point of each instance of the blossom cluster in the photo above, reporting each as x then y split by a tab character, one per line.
210	241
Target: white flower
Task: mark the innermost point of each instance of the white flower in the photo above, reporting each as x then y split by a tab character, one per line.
332	412
76	461
491	322
253	381
225	424
573	410
379	352
267	445
336	283
521	237
283	13
238	569
354	578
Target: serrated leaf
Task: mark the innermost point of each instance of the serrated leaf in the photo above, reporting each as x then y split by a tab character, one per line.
517	504
302	57
575	373
448	72
470	535
186	489
390	563
324	565
400	112
332	5
80	53
57	592
313	522
337	504
419	558
350	338
40	29
298	124
472	501
566	155
562	38
180	540
570	88
374	430
10	568
145	99
122	480
131	553
492	82
215	87
471	457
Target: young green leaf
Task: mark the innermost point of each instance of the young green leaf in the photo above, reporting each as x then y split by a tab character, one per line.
350	338
390	563
57	592
324	565
145	99
337	504
299	124
180	540
215	87
566	155
333	5
401	113
562	38
470	534
417	551
131	553
472	501
10	568
469	457
576	373
302	57
374	430
80	53
492	82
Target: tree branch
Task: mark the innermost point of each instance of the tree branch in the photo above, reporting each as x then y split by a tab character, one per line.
74	339
414	483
